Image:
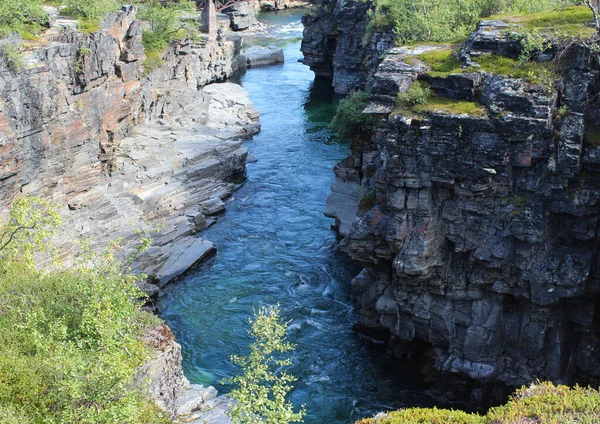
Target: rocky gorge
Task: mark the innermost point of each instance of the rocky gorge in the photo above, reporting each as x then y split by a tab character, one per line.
478	230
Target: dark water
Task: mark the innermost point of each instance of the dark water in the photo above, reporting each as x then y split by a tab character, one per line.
275	246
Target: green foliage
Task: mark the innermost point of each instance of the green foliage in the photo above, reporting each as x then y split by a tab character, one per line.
536	73
88	25
532	43
540	403
437	104
442	20
441	62
426	415
90	9
349	118
417	94
31	222
21	16
80	62
14	57
549	404
419	99
564	21
260	391
166	25
70	340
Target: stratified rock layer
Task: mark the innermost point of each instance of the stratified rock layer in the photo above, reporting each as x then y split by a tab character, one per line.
480	245
84	125
336	44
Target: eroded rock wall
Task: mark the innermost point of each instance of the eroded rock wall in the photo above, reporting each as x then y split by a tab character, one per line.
337	45
83	124
479	233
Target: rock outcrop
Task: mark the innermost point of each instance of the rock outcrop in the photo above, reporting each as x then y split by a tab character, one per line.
258	56
479	232
83	124
242	16
162	376
336	43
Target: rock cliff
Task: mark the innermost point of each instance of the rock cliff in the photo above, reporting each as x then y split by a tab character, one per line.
84	124
163	377
337	44
478	231
119	147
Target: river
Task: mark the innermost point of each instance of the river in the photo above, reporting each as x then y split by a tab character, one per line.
275	246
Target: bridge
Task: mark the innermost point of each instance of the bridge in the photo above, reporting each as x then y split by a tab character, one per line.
210	8
220	5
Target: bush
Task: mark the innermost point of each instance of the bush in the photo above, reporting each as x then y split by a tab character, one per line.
90	9
540	403
417	94
21	16
166	25
70	340
349	118
260	391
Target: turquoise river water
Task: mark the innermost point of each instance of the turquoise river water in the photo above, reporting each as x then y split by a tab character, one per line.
275	246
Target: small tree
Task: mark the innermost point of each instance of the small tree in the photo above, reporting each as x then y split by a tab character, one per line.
32	220
594	6
261	390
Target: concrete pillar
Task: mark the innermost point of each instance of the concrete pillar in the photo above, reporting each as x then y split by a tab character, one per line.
208	18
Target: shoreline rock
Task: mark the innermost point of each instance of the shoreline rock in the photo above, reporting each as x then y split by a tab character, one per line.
260	56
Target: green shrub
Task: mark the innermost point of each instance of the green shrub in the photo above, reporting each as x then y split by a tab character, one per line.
166	25
21	16
14	57
443	21
90	9
417	94
419	99
539	403
70	340
349	118
260	391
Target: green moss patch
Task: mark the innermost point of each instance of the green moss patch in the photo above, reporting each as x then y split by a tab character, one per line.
419	100
441	62
450	106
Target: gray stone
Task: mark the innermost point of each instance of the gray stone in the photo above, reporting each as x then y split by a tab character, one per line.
257	56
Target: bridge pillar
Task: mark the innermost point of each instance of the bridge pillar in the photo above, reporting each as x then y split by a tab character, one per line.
208	18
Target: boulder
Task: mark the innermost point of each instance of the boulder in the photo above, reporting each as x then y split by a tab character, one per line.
263	56
241	16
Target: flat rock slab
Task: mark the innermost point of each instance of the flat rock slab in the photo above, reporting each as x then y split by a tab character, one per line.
257	56
184	255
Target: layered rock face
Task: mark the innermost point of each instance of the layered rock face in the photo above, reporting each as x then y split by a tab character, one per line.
83	125
479	233
163	377
337	45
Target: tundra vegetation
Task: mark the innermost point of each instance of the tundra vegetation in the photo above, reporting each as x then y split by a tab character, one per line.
70	339
451	21
539	403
